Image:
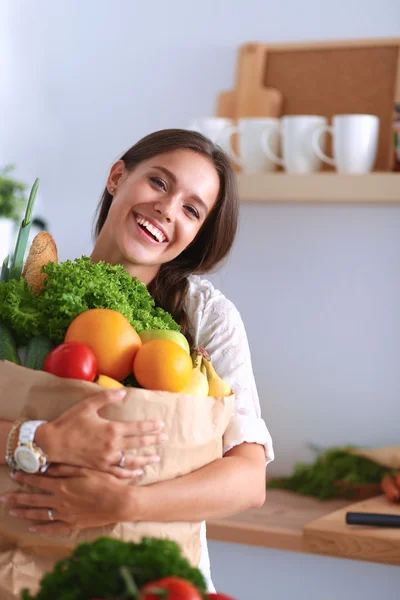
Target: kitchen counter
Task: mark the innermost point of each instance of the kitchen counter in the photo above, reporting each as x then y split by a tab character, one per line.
296	523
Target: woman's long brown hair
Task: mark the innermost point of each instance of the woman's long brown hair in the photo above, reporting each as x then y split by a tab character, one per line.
216	236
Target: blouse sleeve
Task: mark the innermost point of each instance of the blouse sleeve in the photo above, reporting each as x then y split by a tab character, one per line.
218	328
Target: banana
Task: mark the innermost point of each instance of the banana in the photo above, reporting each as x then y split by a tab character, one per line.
216	385
198	384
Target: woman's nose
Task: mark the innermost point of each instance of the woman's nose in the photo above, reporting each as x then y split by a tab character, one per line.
166	208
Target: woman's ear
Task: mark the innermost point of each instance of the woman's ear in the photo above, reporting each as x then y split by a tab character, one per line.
116	176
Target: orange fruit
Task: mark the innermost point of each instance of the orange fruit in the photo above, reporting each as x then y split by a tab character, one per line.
162	365
111	337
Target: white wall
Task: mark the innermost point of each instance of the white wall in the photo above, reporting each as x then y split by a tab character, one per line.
318	286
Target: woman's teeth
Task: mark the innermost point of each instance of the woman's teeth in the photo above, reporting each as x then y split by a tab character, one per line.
155	232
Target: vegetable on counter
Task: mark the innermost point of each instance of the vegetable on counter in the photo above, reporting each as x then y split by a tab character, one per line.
72	287
390	488
332	467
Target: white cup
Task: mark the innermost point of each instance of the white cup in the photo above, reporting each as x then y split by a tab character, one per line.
355	143
296	133
217	129
251	157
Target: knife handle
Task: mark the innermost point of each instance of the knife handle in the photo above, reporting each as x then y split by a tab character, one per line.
373	519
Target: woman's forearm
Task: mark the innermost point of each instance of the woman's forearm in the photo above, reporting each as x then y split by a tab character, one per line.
227	486
5	428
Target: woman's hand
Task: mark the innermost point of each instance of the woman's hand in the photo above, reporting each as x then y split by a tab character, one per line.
73	498
82	438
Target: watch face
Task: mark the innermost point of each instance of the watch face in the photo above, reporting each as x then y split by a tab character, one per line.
26	460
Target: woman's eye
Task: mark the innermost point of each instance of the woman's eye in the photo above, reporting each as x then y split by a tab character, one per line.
193	211
159	183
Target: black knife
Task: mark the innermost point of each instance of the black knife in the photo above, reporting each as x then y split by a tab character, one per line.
373	519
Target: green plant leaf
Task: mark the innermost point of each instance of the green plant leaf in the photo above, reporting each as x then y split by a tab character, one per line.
23	236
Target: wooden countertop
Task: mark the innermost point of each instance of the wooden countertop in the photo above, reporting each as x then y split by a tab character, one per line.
296	523
278	524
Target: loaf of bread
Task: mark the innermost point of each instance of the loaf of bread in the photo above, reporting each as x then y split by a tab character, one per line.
43	250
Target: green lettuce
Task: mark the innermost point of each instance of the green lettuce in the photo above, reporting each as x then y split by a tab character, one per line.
72	287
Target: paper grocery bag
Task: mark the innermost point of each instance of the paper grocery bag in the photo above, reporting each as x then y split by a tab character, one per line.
195	427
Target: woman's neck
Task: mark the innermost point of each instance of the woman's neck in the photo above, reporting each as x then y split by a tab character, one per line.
145	273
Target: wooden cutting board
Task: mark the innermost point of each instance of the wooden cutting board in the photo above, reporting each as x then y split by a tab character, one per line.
331	536
250	98
226	105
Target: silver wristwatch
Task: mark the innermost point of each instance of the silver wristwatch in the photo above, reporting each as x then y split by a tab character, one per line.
28	456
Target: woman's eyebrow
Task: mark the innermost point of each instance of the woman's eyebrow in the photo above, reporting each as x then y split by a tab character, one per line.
174	180
167	172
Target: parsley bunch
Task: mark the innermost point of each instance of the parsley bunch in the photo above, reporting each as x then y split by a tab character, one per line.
96	569
331	467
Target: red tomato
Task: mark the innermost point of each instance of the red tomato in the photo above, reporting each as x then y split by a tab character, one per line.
179	589
72	360
218	596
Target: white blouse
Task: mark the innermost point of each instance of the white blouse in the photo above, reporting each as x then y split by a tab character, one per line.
216	325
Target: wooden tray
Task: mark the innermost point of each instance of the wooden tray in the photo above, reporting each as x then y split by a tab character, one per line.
355	76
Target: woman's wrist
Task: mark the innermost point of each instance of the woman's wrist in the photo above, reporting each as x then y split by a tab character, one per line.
44	438
130	505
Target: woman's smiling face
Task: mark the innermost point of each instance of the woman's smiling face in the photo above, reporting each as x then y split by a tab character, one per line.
157	210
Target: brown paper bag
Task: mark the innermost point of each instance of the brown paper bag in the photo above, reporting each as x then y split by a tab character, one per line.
385	456
195	427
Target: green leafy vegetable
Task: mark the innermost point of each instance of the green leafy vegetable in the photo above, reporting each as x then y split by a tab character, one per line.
71	288
15	270
94	569
321	478
23	236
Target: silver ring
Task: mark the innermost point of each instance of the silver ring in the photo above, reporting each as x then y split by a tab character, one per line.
121	463
50	513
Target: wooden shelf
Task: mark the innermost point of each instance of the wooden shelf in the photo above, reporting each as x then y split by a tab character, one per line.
298	523
379	188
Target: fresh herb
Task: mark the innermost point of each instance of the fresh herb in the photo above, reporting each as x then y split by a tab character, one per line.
332	467
95	570
71	288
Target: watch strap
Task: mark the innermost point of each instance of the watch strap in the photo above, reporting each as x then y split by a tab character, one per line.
27	431
12	442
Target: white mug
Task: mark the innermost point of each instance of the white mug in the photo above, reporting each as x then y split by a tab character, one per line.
217	129
251	157
296	132
355	143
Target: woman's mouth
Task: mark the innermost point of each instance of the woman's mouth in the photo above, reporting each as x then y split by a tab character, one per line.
149	230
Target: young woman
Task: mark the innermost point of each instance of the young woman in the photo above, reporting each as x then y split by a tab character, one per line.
168	214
